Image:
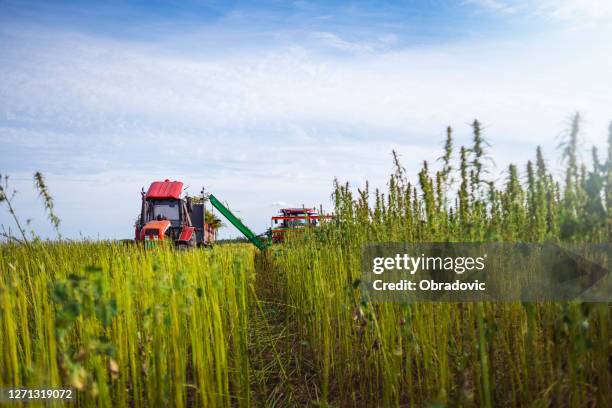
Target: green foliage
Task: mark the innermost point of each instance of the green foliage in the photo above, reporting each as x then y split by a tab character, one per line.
79	298
213	220
509	354
43	192
127	326
6	198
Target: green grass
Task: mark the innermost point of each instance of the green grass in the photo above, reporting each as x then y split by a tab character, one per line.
484	354
138	328
471	354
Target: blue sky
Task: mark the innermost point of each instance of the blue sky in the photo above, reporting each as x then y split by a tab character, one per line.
264	103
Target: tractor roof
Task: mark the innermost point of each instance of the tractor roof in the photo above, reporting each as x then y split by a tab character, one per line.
295	211
165	189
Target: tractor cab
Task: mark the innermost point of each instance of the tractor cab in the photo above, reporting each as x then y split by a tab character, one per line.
294	219
164	215
165	210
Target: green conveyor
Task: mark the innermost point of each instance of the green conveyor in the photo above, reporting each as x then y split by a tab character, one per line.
251	236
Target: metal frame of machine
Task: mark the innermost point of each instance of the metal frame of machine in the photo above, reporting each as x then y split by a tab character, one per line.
294	219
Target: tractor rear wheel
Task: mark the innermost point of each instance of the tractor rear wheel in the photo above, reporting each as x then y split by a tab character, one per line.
183	245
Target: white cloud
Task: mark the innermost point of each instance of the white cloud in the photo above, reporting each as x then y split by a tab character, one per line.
591	12
583	13
281	204
501	6
334	41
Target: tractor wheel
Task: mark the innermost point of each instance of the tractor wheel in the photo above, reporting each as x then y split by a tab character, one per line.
184	245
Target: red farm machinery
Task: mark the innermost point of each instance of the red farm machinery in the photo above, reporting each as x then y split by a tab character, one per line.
165	215
295	219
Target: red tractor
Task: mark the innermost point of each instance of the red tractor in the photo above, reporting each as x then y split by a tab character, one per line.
164	215
295	219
